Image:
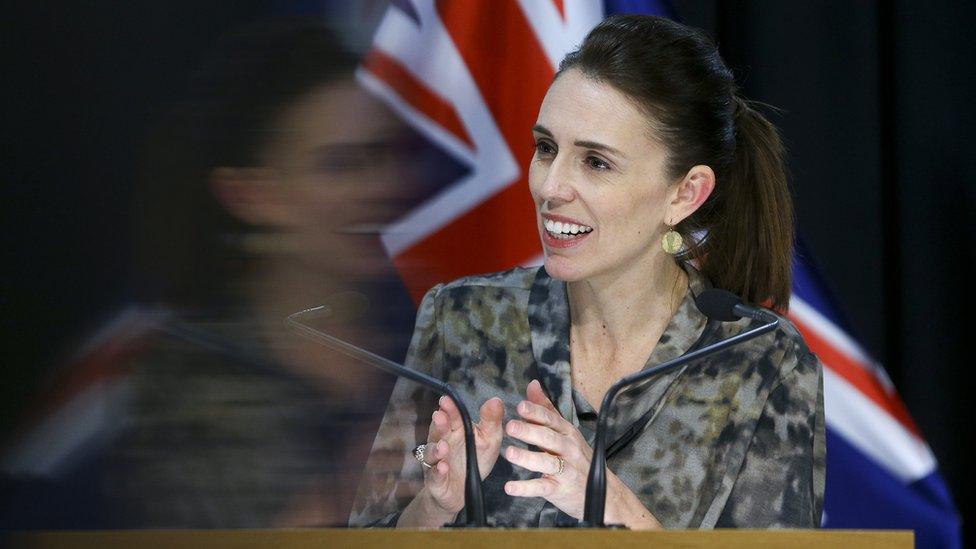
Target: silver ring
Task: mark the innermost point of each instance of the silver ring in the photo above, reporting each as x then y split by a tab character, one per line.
418	453
562	467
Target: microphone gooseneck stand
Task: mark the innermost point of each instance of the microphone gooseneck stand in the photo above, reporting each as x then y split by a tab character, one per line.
474	501
717	305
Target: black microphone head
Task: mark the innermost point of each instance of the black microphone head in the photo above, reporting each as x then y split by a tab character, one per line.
718	304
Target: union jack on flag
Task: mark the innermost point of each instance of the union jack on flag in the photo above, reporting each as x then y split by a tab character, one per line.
469	77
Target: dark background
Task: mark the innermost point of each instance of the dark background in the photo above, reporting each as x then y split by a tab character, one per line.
877	114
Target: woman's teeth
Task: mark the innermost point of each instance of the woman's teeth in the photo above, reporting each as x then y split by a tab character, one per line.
561	230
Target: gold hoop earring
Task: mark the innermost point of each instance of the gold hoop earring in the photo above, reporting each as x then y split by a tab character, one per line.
672	242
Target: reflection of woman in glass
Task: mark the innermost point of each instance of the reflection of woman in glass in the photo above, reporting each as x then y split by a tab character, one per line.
295	163
257	201
642	143
289	159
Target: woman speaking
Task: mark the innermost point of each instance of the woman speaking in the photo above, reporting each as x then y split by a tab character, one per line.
652	180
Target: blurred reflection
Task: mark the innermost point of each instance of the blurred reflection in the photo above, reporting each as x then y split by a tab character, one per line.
262	195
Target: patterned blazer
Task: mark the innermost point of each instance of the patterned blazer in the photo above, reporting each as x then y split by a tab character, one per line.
731	440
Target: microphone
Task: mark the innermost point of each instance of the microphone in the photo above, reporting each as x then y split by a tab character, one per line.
474	501
716	305
725	306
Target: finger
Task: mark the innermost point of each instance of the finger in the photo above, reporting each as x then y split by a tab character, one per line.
533	488
535	394
451	410
537	435
490	415
540	415
436	452
438	474
539	462
440	425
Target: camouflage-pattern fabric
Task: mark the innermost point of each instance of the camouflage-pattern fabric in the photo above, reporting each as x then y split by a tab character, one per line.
733	440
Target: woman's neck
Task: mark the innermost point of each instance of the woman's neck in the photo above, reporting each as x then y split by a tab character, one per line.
625	307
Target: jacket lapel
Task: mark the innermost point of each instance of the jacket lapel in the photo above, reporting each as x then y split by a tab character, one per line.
549	322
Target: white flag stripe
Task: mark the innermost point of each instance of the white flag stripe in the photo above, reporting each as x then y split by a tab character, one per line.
873	431
838	339
581	17
426	50
128	325
440	136
556	35
434	214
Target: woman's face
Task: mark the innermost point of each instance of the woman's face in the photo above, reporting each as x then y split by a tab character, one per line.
335	156
597	175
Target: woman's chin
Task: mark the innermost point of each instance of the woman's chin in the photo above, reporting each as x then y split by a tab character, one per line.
563	269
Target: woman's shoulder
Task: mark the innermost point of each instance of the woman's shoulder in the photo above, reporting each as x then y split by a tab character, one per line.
775	356
517	281
519	278
494	295
790	347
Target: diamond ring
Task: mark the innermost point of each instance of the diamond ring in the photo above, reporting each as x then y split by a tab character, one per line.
418	453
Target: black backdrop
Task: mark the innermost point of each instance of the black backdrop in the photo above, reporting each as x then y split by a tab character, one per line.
878	116
876	111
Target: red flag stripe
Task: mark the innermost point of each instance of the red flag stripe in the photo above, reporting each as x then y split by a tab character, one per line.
561	8
856	375
498	45
414	91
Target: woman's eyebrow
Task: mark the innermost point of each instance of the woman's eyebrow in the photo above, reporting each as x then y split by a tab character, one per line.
598	147
539	128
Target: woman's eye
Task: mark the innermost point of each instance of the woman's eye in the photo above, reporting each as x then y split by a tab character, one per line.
544	148
597	163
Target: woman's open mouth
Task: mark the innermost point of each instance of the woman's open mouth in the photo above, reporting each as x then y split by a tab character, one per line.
561	234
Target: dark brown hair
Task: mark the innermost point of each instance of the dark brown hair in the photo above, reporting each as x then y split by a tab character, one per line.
742	236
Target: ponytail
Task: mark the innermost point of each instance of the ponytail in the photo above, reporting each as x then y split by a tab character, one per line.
749	246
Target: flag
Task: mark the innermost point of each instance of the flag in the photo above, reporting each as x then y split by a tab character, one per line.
880	471
469	77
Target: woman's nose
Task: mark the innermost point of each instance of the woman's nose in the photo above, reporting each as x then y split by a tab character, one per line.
558	185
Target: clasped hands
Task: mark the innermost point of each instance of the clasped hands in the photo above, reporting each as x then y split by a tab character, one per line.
564	459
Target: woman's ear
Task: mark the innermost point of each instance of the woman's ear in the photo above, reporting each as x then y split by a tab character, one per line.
249	194
691	192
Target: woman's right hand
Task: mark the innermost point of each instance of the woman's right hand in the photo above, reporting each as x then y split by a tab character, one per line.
444	480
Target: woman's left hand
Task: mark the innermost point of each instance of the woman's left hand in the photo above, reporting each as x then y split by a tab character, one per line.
564	464
564	448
